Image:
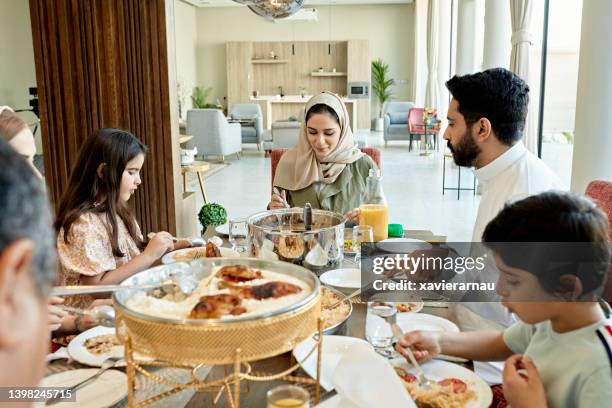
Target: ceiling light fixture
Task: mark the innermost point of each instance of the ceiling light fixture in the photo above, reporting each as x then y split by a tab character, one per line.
273	9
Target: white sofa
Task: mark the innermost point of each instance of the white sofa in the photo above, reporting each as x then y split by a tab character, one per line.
212	134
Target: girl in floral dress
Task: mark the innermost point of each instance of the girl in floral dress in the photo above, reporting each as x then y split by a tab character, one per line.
99	241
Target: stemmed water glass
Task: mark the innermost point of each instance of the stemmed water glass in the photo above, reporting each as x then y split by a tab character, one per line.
238	235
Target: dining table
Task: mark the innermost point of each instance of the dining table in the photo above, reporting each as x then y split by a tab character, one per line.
253	393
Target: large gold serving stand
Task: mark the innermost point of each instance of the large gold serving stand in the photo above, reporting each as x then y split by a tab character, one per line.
186	346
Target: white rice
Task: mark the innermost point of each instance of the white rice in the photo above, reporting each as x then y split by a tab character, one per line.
152	306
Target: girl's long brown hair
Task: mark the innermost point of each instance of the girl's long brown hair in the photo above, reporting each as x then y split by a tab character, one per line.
113	148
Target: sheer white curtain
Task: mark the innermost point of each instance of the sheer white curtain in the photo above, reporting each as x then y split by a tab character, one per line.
432	91
520	11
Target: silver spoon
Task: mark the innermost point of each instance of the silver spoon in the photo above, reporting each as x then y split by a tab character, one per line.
183	283
194	241
104	315
388	312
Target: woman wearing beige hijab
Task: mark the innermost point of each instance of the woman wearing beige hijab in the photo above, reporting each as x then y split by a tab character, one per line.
325	168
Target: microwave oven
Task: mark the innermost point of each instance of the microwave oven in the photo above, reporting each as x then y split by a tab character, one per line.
358	90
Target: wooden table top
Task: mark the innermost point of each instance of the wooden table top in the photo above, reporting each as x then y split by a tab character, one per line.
197	165
185	138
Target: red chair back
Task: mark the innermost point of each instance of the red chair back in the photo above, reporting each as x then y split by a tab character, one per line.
415	122
276	154
600	191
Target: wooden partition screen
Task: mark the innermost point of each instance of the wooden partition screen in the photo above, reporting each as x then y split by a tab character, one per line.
103	63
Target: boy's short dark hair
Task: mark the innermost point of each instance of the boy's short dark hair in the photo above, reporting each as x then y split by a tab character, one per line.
553	234
496	94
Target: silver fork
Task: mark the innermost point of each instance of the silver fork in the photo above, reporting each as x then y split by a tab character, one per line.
106	364
388	312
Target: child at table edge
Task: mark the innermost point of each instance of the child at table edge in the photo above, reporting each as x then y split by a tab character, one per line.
563	346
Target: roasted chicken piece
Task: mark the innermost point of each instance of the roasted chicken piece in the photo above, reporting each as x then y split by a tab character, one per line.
212	251
238	273
274	290
215	306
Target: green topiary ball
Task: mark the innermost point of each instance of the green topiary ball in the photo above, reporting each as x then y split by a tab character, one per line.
212	214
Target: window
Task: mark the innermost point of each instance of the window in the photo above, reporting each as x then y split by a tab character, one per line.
557	105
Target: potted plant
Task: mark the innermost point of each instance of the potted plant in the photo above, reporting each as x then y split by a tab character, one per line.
381	86
200	96
211	215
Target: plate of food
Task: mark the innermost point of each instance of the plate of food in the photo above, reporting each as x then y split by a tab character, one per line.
333	312
456	386
409	307
97	344
344	279
333	350
348	247
210	250
105	391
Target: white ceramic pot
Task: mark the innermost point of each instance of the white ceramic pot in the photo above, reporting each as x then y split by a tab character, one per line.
378	124
188	156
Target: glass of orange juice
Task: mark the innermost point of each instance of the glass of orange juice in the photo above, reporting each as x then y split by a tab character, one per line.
377	216
288	396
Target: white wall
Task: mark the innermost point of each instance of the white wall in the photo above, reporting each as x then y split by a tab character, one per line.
389	28
185	33
17	71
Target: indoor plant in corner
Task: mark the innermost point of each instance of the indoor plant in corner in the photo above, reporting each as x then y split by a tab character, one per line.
381	86
200	96
212	215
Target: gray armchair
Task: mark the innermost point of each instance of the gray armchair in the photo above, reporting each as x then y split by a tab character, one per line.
252	131
396	121
212	134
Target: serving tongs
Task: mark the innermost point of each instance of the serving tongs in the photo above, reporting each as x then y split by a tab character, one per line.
183	283
307	217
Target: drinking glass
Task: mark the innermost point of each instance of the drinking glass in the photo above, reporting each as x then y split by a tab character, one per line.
288	396
361	233
377	330
238	235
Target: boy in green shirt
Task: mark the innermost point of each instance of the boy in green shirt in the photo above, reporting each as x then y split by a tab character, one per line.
559	355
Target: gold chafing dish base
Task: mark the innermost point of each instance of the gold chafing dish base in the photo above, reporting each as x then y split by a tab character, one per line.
228	386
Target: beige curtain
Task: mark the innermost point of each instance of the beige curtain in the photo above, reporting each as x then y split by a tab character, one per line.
432	91
520	11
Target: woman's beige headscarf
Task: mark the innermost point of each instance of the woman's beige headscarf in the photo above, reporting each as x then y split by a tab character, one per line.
299	167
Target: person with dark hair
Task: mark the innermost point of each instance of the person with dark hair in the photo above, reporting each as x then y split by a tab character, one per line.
325	168
99	241
486	122
564	345
27	271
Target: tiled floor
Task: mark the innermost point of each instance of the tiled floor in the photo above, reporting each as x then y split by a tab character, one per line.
412	184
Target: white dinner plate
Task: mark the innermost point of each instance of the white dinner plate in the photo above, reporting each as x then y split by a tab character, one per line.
333	350
225	253
423	321
78	352
400	245
344	278
106	390
438	370
222	229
